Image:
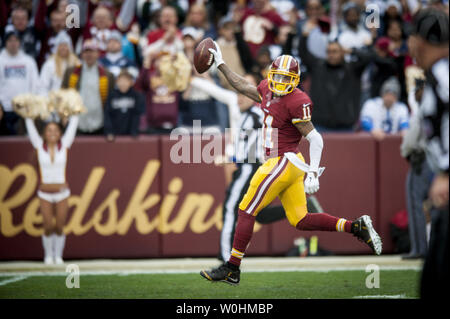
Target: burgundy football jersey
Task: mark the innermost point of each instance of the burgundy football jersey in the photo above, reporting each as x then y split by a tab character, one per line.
280	114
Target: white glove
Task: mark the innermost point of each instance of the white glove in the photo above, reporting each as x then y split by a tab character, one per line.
217	55
311	183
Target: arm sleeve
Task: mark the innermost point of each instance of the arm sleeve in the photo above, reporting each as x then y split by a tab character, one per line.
287	46
71	131
367	122
126	14
306	57
136	115
222	95
107	117
404	119
154	46
3	17
33	134
244	52
315	150
363	57
39	18
411	139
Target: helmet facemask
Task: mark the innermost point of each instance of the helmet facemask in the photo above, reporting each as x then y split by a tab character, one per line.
282	82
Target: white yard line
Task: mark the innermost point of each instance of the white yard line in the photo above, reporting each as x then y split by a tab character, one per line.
402	296
190	271
194	265
17	277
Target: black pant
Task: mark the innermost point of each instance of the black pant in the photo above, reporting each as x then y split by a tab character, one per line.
434	282
9	125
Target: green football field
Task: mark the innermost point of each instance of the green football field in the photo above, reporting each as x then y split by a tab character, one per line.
260	285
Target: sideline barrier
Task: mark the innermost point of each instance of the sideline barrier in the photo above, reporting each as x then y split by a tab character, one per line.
129	200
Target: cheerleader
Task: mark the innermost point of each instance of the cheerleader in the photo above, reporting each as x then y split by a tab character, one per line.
53	191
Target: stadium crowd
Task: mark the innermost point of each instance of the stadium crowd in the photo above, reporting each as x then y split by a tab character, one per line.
353	56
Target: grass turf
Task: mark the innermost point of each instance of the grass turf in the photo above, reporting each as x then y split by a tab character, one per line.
263	285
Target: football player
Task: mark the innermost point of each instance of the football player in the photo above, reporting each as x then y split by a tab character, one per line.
287	118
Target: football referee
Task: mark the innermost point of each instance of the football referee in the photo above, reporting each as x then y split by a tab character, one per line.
429	45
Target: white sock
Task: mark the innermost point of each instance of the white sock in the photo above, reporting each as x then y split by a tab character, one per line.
60	241
47	243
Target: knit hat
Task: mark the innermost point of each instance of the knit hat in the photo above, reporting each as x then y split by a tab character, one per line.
62	37
194	33
349	6
10	34
432	25
391	85
116	35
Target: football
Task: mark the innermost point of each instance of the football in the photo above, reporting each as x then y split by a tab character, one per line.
203	59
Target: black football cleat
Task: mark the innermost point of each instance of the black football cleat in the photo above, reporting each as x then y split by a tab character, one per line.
222	273
363	230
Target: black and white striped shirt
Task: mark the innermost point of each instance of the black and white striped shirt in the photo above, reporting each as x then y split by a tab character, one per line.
434	108
248	146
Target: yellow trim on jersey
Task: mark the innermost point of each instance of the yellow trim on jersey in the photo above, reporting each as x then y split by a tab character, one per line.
295	121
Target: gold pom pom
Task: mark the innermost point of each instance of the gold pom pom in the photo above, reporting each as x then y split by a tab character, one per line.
31	106
66	102
175	71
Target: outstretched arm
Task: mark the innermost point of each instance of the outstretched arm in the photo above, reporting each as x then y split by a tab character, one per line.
222	95
236	81
240	84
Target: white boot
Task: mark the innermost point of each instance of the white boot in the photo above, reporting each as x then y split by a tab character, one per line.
60	241
47	243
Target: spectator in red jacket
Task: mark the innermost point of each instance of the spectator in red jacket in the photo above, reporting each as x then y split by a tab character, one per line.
165	39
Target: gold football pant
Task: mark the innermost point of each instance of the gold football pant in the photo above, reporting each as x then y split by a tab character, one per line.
277	177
